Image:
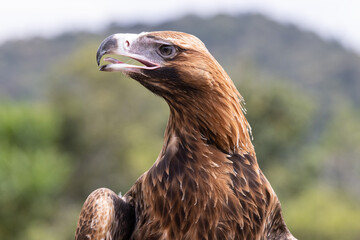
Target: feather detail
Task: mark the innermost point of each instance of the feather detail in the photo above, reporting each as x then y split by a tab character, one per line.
105	216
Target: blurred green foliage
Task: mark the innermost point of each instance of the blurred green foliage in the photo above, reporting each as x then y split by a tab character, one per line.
32	170
280	118
104	130
323	213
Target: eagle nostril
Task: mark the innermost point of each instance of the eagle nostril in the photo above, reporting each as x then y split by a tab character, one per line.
127	44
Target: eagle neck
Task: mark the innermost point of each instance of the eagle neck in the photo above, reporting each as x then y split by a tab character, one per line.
216	120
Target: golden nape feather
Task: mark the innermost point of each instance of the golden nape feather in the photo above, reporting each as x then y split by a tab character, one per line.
206	182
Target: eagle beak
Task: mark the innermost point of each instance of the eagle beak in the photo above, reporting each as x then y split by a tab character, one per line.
107	46
122	44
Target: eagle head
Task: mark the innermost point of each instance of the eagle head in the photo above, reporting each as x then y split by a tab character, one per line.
172	61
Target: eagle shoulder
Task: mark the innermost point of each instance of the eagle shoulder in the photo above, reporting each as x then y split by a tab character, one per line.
106	216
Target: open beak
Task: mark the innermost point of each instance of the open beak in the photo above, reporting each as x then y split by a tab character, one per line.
122	44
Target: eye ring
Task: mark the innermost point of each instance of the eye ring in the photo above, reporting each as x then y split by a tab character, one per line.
167	51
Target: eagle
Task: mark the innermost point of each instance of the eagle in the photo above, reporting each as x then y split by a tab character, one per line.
206	182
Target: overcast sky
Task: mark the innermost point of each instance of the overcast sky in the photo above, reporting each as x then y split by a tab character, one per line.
339	19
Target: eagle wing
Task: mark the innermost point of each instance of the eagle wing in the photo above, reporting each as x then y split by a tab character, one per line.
105	216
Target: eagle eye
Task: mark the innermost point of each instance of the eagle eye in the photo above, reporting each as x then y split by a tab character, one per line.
167	51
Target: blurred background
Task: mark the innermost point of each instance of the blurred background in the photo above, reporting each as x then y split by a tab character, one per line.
67	129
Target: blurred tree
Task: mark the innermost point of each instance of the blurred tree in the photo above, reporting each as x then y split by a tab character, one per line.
323	213
280	115
281	119
32	170
336	158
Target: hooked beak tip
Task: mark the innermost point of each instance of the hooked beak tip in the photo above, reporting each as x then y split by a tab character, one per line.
105	47
99	55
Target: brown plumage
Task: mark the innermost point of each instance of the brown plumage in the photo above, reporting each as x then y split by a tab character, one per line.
206	182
